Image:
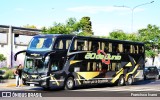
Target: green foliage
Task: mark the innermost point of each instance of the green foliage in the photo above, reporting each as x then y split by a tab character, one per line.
86	26
132	37
118	34
84	34
30	26
150	53
72	26
2	58
8	73
150	36
4	68
44	29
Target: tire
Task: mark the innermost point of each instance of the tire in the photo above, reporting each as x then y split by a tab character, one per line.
24	82
129	80
145	77
46	88
121	81
69	84
157	77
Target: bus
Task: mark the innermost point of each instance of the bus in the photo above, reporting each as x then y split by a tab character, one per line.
69	61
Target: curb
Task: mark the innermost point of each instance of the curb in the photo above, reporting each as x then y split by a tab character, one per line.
12	85
9	85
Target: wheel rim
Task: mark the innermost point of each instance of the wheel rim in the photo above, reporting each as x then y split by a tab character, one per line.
121	81
129	80
70	83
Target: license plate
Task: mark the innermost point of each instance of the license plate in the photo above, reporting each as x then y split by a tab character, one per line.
32	84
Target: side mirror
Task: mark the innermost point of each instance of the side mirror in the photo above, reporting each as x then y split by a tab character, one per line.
15	56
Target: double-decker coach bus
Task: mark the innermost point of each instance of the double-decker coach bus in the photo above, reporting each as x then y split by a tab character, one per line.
69	61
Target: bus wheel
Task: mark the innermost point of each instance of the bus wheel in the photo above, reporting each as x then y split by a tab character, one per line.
129	80
46	88
157	77
121	81
24	82
69	85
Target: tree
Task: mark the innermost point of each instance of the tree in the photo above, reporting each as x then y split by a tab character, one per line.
44	30
86	26
58	28
150	36
30	26
2	58
71	26
132	37
118	34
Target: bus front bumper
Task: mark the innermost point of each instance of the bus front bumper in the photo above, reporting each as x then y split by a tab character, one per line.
35	82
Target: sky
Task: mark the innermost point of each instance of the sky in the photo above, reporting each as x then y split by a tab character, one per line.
104	14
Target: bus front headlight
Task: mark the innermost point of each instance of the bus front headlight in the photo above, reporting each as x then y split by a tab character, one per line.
47	59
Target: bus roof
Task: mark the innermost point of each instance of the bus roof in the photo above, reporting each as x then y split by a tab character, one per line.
87	37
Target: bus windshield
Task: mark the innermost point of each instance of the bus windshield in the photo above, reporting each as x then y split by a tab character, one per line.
35	66
41	43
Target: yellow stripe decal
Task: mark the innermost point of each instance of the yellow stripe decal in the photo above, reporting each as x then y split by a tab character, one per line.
52	78
117	76
74	61
134	61
79	80
136	74
119	70
132	71
56	82
88	75
129	64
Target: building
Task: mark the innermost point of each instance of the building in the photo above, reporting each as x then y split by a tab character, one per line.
14	39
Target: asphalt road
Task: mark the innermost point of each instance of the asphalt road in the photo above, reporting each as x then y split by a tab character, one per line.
141	88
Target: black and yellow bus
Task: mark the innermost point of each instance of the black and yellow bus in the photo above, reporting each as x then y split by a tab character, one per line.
69	61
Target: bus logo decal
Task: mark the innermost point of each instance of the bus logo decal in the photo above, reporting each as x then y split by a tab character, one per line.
101	55
103	60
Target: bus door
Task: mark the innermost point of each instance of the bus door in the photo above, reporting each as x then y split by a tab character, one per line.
59	57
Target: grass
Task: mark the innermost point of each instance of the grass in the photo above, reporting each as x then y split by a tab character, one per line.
8	73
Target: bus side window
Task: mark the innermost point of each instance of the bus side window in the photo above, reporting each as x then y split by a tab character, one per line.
126	48
115	66
59	44
68	43
114	48
137	49
141	49
85	45
95	46
110	47
105	47
94	66
120	47
102	46
80	45
133	48
56	65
